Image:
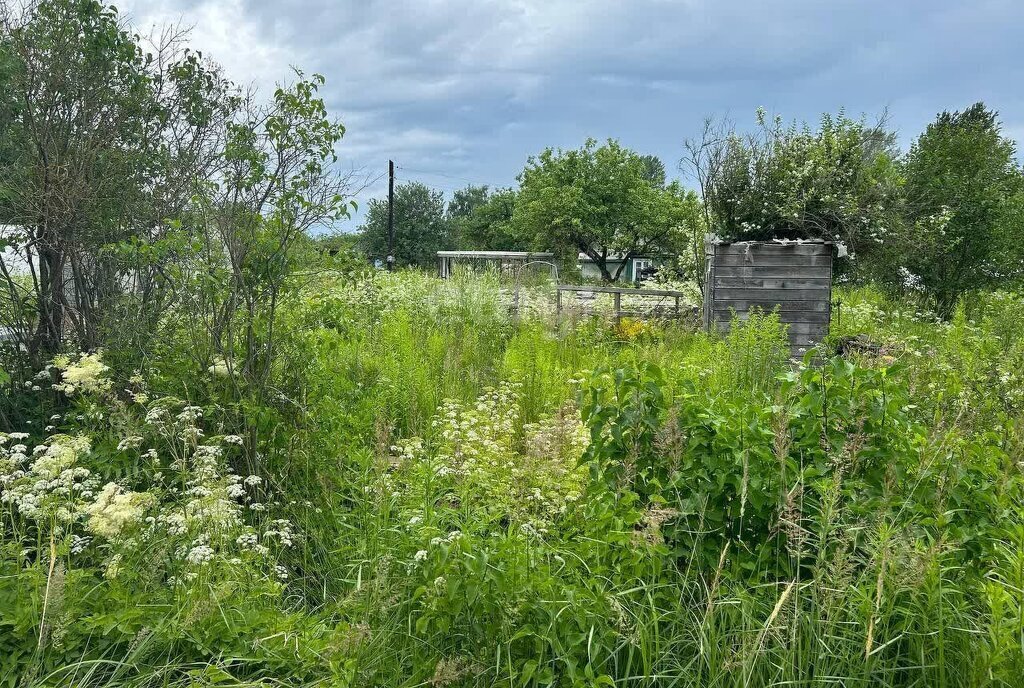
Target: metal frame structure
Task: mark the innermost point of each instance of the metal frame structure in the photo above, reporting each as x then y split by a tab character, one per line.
503	260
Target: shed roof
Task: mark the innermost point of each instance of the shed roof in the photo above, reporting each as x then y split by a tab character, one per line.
780	242
494	254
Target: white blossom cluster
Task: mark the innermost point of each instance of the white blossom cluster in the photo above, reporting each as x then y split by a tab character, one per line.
86	374
194	508
46	482
115	508
531	473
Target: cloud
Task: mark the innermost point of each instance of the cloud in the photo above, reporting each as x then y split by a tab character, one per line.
469	90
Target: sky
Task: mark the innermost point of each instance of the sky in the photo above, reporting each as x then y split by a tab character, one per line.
464	92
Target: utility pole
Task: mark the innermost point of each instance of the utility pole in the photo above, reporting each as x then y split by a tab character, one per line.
391	215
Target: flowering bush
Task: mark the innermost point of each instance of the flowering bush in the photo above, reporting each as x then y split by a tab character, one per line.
86	373
176	529
529	479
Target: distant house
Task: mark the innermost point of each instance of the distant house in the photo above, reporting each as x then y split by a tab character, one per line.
637	267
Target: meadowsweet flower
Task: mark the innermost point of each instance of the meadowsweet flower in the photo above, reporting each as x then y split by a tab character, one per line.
113	567
219	368
61	454
131	442
87	374
421	555
116	508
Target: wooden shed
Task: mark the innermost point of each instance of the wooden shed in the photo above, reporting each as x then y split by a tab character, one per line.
793	276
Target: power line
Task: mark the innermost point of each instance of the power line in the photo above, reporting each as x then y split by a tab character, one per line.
431	184
442	174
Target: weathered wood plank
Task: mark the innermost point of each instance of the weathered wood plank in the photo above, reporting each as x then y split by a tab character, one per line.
740	260
778	295
784	316
774	271
792	279
803	305
772	249
757	282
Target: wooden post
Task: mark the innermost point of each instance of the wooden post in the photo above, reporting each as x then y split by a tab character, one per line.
391	215
515	299
618	307
558	302
677	308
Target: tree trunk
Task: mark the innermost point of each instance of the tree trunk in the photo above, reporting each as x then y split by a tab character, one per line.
49	336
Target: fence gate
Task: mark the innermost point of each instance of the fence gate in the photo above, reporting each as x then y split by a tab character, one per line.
793	276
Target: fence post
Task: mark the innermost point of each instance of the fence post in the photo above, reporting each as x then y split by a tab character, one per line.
558	302
618	307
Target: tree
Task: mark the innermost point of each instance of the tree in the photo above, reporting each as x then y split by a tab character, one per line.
963	202
100	142
836	182
277	181
465	201
655	169
421	226
599	200
488	227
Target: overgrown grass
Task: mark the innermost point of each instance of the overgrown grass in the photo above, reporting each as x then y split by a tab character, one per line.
474	499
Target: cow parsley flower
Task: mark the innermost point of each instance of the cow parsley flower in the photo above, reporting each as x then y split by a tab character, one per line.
199	555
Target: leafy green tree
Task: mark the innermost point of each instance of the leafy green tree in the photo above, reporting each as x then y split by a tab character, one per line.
422	227
963	201
655	171
100	143
465	201
599	200
836	182
489	226
278	182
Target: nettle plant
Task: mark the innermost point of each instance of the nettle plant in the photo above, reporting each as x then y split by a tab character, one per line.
723	469
506	540
170	528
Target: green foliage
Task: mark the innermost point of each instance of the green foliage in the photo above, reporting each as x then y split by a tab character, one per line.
487	226
600	200
421	227
711	513
836	182
102	142
964	192
286	468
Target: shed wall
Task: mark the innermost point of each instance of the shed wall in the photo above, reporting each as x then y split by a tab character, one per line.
794	278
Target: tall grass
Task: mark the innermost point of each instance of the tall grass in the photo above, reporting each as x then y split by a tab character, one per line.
738	520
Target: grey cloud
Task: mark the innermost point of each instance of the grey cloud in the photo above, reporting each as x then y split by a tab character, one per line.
470	89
